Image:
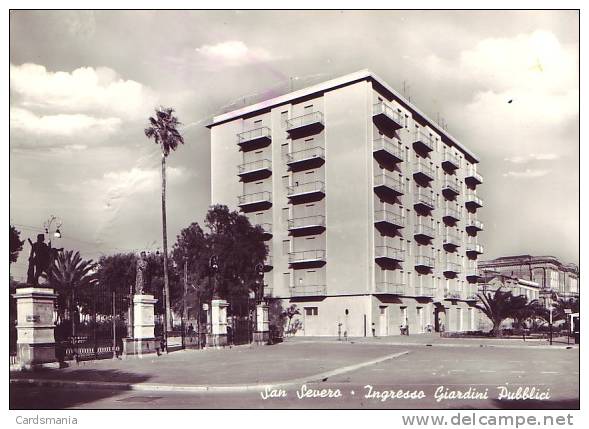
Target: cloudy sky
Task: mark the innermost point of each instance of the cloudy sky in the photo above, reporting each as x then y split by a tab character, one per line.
82	85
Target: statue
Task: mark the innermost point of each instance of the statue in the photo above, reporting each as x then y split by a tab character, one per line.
39	259
141	276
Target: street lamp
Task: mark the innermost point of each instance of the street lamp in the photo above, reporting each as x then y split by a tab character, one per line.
49	222
260	273
213	269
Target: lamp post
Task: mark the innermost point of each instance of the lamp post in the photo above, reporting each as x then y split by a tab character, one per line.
260	273
213	269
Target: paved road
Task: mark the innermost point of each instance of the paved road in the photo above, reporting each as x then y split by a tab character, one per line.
487	372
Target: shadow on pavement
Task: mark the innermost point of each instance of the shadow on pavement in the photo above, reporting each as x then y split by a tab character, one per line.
39	397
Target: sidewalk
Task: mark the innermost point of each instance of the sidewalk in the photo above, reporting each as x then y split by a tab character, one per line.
240	368
435	340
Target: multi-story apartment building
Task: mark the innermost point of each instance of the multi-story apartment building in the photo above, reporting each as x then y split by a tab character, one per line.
370	207
551	274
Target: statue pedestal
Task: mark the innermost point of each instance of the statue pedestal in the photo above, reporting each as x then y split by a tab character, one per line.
35	327
218	335
143	341
262	332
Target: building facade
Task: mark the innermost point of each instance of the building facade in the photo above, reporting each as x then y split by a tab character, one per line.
370	208
547	271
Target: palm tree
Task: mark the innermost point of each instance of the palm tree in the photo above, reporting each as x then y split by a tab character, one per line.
163	129
502	305
69	275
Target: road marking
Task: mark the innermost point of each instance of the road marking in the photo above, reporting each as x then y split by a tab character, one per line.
486	370
457	370
517	372
548	372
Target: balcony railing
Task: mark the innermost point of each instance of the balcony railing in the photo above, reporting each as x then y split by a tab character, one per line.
421	168
388	116
308	290
260	166
424	291
473	199
452	213
424	261
390	147
299	223
266	228
474	224
268	262
254	199
390	253
313	119
471	297
424	230
451	186
389	182
452	267
474	248
450	160
452	294
300	157
390	288
390	218
306	256
423	140
268	292
473	177
451	240
310	188
256	135
425	200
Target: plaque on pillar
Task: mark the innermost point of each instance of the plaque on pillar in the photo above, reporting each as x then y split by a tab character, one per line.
262	332
35	326
218	335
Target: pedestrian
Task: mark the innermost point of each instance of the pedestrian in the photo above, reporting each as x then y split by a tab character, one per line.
373	329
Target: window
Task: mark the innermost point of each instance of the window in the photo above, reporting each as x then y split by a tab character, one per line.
286	280
285	181
283	118
285	247
285	214
284	150
257	123
311	311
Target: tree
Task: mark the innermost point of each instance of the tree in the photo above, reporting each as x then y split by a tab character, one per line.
69	276
501	305
238	245
289	313
163	129
15	244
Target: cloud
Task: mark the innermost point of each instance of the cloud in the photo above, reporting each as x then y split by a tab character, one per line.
233	53
60	125
526	174
533	157
92	91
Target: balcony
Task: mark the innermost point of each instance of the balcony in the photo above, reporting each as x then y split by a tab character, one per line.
474	248
450	162
267	230
424	261
452	294
308	290
257	200
423	171
473	274
423	142
424	231
471	297
268	292
451	214
424	292
473	225
309	123
259	169
258	137
306	158
388	149
473	178
387	218
452	268
389	288
386	117
306	257
308	224
390	254
310	189
424	201
451	240
384	182
473	201
450	188
268	263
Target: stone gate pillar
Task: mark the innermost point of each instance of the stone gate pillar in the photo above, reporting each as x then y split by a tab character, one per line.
35	326
143	340
218	335
262	332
